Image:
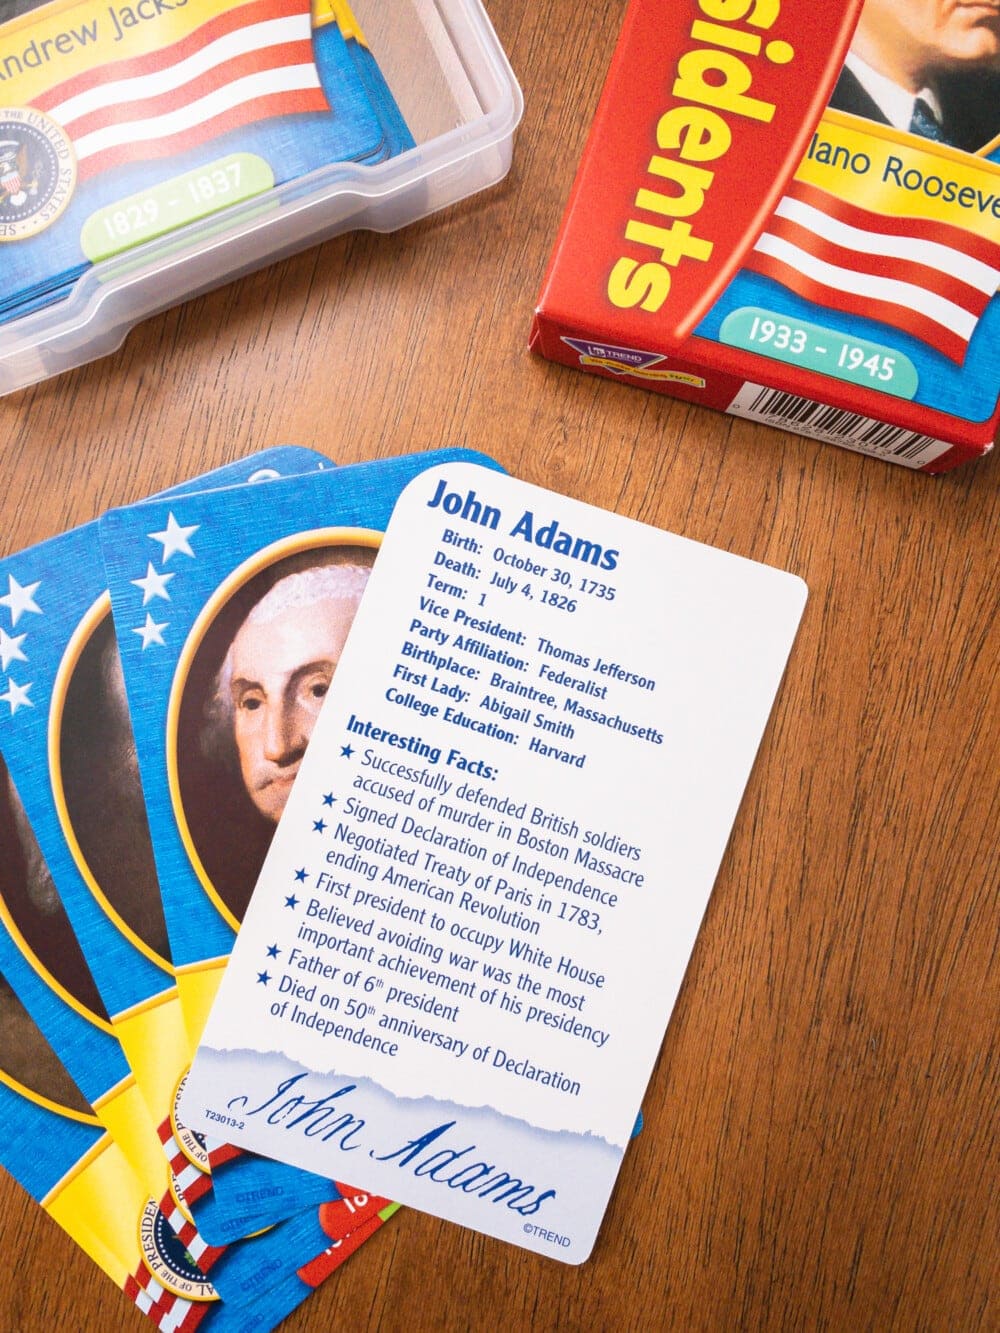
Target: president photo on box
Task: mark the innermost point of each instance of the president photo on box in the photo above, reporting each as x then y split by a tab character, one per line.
927	67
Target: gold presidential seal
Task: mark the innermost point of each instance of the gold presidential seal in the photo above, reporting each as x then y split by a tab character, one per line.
37	172
192	1145
169	1260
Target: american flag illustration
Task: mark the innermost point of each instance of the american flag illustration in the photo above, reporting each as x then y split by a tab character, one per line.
170	1313
927	278
242	66
191	1182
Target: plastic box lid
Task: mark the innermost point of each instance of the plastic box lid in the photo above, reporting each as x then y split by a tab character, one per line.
454	86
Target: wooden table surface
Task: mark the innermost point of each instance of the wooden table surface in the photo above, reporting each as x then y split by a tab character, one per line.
820	1142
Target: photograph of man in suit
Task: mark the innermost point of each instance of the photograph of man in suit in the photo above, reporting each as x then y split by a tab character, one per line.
927	67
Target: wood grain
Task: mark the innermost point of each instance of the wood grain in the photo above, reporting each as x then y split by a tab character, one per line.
820	1148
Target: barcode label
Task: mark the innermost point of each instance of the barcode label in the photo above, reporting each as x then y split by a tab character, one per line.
865	435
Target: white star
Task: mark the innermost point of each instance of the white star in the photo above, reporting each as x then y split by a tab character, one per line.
16	696
174	538
10	649
151	632
153	585
19	599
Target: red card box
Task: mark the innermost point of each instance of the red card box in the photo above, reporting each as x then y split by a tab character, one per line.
733	241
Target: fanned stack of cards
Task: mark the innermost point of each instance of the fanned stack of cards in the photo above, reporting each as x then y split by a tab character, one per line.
143	769
120	123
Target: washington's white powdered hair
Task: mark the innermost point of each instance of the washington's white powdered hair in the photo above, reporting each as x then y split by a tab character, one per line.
307	587
327	583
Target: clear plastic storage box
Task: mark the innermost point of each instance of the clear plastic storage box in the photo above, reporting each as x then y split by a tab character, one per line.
460	102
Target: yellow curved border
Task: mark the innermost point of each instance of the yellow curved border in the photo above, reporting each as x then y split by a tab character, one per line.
177	1201
316	539
181	1132
47	1103
82	1164
852	123
81	636
852	120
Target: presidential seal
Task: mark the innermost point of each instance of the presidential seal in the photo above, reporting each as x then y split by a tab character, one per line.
192	1145
168	1259
37	172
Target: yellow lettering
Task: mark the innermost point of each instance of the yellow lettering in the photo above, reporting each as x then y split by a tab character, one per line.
728	11
733	38
729	95
712	83
693	182
732	11
699	134
674	242
765	13
632	284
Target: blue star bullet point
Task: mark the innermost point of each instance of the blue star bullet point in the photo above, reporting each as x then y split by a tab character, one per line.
300	875
262	978
319	825
273	951
346	751
329	798
291	901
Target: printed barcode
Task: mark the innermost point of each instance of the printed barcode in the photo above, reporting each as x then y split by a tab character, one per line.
837	426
